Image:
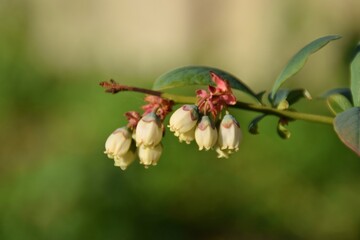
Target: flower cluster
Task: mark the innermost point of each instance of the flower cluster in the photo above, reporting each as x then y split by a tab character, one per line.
142	136
201	122
198	122
217	98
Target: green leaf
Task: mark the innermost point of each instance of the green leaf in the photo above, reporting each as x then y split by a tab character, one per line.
279	97
338	103
253	125
342	91
199	75
291	96
355	77
299	59
347	127
296	94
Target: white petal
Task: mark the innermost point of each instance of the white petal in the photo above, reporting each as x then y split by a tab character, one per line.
229	133
187	136
183	119
205	134
148	131
149	156
118	143
124	161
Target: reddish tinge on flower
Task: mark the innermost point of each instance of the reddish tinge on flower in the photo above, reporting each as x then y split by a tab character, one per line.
133	119
158	105
218	97
222	86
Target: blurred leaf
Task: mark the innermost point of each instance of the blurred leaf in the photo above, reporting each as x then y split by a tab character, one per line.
283	132
338	103
199	75
299	59
291	96
342	91
253	126
296	94
260	95
347	127
279	96
355	77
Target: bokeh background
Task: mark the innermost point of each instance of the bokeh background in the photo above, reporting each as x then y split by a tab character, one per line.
55	181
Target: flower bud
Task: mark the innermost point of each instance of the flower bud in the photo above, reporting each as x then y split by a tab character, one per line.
149	156
125	160
118	143
148	131
205	134
184	119
229	133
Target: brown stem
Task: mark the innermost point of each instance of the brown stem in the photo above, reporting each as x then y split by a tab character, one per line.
113	87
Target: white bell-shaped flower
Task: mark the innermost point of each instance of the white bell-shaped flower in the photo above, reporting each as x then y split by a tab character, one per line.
205	134
118	143
150	156
187	136
125	160
229	133
148	131
184	119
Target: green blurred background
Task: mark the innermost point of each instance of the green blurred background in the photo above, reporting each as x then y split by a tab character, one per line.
55	181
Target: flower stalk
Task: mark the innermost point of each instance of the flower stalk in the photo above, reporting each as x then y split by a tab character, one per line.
113	87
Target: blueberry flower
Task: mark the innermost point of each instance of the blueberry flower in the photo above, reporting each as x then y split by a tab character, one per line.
206	134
